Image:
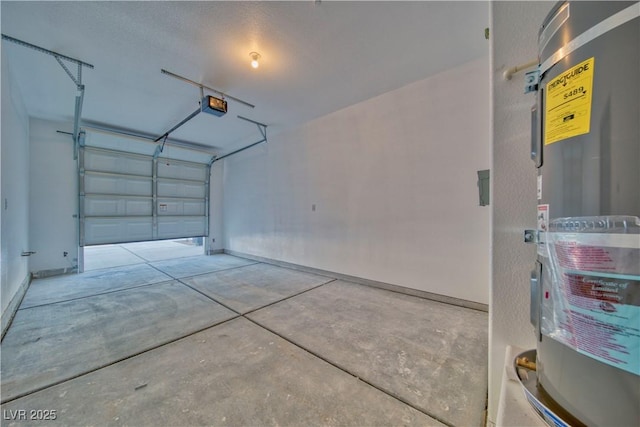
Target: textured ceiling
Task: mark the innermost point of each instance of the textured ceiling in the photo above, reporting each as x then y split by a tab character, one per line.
317	57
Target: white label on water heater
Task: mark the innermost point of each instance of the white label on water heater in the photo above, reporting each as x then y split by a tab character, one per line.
539	187
543	217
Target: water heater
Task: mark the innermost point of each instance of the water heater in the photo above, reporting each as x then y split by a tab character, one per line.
585	288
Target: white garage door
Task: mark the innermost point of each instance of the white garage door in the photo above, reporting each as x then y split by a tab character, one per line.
131	197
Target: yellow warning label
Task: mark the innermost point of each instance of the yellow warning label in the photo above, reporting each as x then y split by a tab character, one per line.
568	103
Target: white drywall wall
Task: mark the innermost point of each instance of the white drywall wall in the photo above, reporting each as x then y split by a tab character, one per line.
514	35
15	189
53	197
394	184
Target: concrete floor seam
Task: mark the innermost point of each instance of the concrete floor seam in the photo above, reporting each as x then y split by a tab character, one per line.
264	298
391	394
155	347
208	296
382	390
161	344
237	314
134	254
388	393
287	298
98	294
200	274
255	309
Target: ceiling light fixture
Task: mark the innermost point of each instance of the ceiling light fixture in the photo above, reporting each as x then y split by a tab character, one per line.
254	59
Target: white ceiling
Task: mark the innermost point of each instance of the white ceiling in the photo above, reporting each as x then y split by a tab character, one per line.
317	57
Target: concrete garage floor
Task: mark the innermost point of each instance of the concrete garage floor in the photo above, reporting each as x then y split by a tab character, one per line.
117	255
222	340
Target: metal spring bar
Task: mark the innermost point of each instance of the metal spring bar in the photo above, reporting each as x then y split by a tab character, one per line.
166	134
263	130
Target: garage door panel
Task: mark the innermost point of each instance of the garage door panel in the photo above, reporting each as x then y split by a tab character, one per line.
168	207
176	227
114	184
99	231
182	170
105	161
118	191
114	206
195	208
181	189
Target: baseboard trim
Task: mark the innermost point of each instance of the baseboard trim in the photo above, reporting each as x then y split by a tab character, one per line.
366	282
55	272
215	251
12	308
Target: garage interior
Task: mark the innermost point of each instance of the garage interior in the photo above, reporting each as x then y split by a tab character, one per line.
351	271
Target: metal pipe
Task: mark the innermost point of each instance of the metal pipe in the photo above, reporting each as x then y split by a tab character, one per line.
47	51
513	70
200	85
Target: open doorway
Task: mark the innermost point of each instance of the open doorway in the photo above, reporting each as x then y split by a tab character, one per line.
121	254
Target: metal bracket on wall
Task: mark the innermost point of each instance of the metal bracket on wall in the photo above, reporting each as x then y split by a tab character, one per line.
531	236
77	80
